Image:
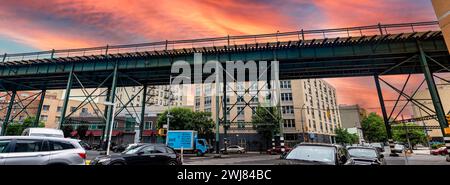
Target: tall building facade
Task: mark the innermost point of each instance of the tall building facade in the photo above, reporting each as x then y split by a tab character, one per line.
351	117
308	107
158	96
423	96
442	9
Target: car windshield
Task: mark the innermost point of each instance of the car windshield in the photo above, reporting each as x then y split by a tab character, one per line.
131	149
313	153
362	152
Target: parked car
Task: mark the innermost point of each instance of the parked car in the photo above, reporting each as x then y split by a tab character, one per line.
34	150
233	149
119	148
277	150
399	148
378	146
366	155
85	145
439	151
45	132
145	154
317	154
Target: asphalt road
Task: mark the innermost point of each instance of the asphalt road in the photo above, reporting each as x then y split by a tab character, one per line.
254	158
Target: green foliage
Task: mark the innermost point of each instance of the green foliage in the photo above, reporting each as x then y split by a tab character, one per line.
186	119
373	128
16	128
437	145
266	121
344	137
416	136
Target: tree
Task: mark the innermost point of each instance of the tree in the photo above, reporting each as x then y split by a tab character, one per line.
16	128
416	136
266	121
344	137
186	119
373	128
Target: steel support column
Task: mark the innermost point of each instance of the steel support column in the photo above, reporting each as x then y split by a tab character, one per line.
385	116
110	114
224	108
433	91
440	114
66	98
141	126
8	113
39	110
217	144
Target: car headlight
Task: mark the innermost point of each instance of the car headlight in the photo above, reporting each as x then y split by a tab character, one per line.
105	160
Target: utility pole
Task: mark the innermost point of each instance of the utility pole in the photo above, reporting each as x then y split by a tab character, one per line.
407	134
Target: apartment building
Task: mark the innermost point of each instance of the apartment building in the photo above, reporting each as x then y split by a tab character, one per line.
423	96
161	97
311	103
52	107
351	117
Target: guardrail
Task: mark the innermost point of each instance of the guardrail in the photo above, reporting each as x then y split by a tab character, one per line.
377	29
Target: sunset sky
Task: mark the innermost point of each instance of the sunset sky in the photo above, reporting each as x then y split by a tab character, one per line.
29	25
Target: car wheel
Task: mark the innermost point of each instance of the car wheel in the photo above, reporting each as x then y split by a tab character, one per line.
239	152
172	163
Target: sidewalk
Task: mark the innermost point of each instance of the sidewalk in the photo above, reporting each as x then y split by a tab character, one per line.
422	151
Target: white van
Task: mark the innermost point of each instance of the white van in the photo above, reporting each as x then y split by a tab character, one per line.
46	132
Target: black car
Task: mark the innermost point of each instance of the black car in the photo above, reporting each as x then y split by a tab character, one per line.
366	155
119	148
145	154
317	154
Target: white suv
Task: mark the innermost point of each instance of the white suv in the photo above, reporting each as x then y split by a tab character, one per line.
31	150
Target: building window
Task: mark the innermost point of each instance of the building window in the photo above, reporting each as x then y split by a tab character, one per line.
44	118
285	84
241	124
207	100
240	99
45	108
289	123
240	111
197	102
287	109
58	119
207	109
84	110
148	125
286	96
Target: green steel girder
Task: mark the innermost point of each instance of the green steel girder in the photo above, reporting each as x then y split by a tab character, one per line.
344	59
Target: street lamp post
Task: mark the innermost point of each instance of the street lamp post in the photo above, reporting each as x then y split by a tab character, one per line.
303	127
113	105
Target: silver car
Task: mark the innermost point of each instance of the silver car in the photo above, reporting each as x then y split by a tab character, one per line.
33	150
233	149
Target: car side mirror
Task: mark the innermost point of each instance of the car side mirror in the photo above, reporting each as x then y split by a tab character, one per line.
381	155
